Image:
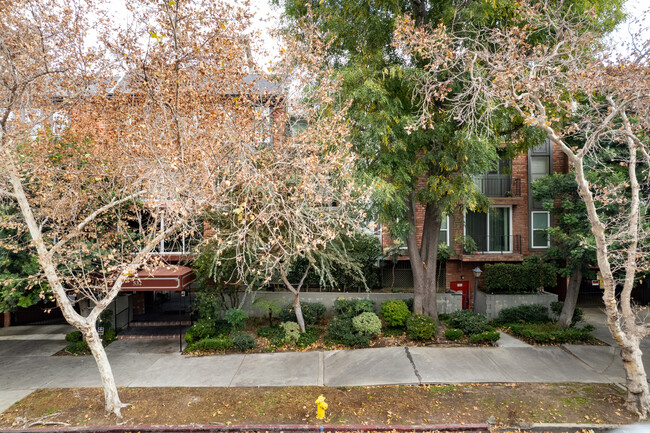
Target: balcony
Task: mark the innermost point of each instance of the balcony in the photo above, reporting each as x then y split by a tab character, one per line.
498	185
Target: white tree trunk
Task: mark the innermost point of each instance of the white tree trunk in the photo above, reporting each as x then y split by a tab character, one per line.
111	397
298	310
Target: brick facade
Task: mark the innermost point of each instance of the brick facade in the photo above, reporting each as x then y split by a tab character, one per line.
459	267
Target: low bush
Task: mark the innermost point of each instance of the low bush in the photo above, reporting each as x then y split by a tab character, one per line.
73	337
312	313
367	323
395	313
409	304
236	318
243	341
524	277
485	337
270	332
219	343
78	348
201	329
535	313
468	321
556	310
341	331
454	334
291	331
353	307
390	331
547	333
308	337
421	327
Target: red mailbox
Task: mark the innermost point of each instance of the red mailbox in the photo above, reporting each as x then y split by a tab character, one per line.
463	287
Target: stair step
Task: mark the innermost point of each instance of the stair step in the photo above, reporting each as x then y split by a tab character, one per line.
148	337
162	323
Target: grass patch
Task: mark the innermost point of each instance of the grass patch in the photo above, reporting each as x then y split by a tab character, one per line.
440	404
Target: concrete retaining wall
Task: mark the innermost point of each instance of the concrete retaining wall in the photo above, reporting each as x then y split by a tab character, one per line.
490	305
447	302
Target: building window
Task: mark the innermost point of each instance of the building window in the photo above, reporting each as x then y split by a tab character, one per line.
444	230
539	167
540	222
491	231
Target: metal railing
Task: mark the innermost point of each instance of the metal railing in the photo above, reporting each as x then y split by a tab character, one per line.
489	244
498	185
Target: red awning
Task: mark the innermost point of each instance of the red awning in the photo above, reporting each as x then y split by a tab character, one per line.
163	278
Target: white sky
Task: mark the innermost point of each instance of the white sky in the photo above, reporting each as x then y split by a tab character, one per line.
267	17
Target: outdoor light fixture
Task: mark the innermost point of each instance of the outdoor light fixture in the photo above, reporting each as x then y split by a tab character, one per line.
477	274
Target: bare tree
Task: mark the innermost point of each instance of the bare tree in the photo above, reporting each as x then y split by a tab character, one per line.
163	124
593	105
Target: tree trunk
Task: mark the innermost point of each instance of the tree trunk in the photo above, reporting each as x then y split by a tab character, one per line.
298	311
111	398
572	291
638	394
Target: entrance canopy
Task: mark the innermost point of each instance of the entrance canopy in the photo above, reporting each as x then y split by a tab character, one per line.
162	278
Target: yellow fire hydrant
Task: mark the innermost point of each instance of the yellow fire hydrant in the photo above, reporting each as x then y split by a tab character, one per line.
320	407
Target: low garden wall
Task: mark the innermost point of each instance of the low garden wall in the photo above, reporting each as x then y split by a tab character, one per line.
490	305
447	302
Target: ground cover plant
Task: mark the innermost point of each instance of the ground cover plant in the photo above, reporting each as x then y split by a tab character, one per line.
467	326
431	404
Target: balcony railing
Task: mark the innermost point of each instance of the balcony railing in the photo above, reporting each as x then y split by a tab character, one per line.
493	244
498	185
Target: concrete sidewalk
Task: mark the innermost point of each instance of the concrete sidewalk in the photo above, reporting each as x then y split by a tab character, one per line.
27	364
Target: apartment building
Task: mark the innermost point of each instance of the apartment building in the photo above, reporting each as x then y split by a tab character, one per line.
512	229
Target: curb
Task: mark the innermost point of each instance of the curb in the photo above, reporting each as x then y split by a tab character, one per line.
285	428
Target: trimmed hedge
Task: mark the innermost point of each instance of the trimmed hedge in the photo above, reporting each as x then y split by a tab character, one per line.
535	313
421	327
526	277
220	343
556	310
547	333
454	334
468	321
395	313
485	337
312	313
78	348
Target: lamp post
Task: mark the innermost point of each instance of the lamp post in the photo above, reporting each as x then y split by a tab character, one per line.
477	274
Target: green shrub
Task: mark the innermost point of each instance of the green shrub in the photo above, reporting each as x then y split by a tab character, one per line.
201	329
395	313
556	310
421	327
468	321
367	323
547	333
236	318
353	307
219	343
390	331
409	304
78	348
312	313
110	336
73	337
443	317
341	331
453	334
485	337
525	277
270	332
535	313
308	337
291	331
243	341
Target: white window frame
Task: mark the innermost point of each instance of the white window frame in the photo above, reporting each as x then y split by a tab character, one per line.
487	229
532	230
446	221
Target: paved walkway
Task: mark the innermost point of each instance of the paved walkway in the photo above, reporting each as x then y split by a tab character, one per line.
26	364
